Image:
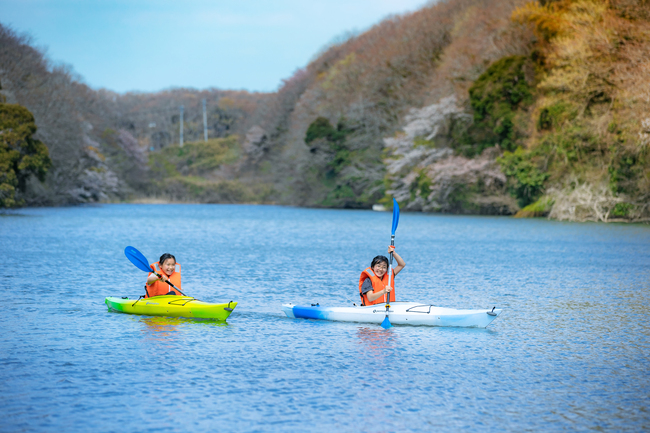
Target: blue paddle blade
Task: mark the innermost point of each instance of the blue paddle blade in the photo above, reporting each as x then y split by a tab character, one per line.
386	323
137	258
395	216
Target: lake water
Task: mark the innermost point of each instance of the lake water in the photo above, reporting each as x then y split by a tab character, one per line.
571	351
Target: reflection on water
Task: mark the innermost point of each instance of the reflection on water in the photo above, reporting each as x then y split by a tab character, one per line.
160	327
377	340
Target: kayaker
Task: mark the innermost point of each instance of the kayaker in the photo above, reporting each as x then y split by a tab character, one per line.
170	272
373	282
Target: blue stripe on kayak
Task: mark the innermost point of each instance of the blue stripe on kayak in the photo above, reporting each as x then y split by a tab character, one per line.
305	312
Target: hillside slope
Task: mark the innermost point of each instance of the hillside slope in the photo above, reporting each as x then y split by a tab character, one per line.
466	106
358	93
481	107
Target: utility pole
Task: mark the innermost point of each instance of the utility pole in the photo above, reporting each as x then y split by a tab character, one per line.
205	123
181	144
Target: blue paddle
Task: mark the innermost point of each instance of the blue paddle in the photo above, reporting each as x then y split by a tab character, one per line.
386	323
141	262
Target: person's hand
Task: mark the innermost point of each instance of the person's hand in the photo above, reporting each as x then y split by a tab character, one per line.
388	289
164	278
391	249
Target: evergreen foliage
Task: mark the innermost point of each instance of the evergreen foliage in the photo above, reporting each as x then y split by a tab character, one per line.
322	128
625	168
21	156
495	97
335	164
526	178
319	128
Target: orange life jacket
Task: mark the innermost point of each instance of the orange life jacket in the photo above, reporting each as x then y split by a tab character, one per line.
377	286
158	288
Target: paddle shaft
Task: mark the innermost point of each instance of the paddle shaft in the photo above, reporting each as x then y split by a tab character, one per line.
386	323
390	273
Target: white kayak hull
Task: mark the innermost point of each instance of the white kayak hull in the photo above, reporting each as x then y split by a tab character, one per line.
400	313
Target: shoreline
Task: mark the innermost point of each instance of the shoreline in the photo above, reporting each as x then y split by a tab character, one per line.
161	201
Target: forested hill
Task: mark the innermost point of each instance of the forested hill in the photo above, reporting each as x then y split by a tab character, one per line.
465	106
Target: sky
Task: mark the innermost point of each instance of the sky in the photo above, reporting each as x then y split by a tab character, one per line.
151	45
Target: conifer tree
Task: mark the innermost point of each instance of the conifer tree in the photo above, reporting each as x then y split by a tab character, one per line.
21	156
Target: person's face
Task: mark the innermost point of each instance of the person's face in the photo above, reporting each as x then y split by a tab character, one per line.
380	269
168	266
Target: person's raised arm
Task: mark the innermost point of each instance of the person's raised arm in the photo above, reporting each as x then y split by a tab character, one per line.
400	261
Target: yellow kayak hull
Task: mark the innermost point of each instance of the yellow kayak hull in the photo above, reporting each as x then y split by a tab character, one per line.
171	306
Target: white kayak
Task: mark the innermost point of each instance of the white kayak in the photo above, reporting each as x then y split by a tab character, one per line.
400	313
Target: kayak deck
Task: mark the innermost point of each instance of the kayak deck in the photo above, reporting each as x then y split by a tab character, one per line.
171	306
400	313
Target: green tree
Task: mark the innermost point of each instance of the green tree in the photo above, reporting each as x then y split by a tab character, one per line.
320	128
526	179
20	154
495	97
334	140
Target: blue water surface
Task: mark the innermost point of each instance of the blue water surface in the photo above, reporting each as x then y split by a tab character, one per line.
571	351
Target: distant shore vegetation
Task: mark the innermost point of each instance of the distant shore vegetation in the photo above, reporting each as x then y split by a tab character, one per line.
516	107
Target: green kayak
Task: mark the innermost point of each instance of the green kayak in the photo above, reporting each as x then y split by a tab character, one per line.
171	306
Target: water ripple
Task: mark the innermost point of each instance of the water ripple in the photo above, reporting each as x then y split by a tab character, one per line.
569	353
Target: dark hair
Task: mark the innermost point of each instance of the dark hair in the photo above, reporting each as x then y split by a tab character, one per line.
379	259
165	257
